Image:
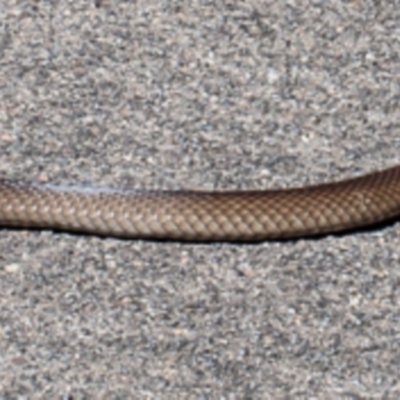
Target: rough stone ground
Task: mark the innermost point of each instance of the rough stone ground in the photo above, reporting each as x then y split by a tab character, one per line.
199	94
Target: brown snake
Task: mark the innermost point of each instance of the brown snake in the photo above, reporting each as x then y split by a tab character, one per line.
205	216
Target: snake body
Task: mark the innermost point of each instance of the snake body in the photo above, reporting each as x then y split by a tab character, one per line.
204	216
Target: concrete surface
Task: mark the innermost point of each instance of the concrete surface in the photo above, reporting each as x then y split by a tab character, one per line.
199	94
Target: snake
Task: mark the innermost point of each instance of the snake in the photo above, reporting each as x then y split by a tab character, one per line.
241	215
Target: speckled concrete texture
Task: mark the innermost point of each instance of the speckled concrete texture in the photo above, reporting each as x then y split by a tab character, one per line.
199	94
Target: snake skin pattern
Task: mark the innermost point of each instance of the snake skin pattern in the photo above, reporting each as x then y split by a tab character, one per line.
204	216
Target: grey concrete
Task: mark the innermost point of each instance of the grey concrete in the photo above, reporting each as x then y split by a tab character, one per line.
174	94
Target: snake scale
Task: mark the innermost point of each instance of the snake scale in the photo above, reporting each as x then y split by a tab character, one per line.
205	216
